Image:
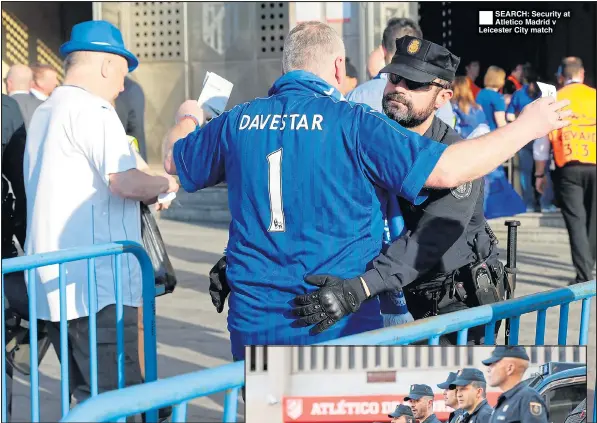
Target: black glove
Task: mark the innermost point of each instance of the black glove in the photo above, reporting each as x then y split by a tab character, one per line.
218	284
335	299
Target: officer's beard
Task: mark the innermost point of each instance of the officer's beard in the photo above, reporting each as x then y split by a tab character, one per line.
406	116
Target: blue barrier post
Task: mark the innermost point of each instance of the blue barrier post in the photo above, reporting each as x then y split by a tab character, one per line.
231	405
178	390
92	295
585	321
63	341
563	328
30	263
33	355
540	327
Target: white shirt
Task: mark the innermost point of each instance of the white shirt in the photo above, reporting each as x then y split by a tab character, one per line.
39	94
74	142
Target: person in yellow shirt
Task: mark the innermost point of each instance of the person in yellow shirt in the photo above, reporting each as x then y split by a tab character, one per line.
574	177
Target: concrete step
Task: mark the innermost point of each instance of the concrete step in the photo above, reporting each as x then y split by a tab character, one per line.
534	227
534	220
549	236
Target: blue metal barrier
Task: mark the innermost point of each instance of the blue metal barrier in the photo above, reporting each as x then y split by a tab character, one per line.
488	315
180	389
174	390
30	263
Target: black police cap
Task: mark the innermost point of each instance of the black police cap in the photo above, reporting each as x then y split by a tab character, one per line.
446	384
401	410
422	61
503	351
466	376
418	392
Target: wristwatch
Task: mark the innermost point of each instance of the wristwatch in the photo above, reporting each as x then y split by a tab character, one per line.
540	176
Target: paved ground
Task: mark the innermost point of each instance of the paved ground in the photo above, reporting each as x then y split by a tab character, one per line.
192	336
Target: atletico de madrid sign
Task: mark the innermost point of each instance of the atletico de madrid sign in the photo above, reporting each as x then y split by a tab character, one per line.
356	408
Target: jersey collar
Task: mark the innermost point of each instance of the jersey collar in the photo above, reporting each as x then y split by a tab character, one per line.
302	82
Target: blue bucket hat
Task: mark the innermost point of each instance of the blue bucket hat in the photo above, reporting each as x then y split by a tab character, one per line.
100	36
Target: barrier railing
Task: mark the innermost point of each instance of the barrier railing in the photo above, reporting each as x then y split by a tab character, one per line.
178	390
116	249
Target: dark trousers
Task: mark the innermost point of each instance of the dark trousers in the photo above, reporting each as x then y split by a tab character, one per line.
575	189
107	352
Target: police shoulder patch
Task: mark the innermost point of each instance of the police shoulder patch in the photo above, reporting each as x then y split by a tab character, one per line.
462	191
536	408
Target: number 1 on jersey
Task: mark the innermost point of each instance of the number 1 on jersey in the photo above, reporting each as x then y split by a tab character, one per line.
274	161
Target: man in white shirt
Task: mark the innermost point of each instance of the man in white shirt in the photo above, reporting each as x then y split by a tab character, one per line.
45	80
83	187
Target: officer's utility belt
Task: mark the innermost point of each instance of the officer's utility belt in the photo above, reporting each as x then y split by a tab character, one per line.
479	283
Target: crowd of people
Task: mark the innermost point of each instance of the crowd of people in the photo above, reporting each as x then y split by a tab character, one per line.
388	161
465	392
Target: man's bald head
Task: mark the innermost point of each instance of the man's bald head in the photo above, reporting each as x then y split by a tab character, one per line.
520	365
45	78
79	59
98	72
19	78
507	371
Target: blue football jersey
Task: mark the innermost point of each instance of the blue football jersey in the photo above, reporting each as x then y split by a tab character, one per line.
304	170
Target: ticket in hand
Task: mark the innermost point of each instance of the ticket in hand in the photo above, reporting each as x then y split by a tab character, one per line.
215	94
166	198
547	90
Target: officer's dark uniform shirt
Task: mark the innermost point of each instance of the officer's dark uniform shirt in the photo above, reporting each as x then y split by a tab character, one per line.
441	230
481	414
520	404
454	415
431	419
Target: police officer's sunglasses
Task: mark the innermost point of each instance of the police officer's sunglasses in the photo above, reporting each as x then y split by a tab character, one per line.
411	85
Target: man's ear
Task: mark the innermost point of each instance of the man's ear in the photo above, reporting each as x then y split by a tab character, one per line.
106	67
340	70
510	369
444	97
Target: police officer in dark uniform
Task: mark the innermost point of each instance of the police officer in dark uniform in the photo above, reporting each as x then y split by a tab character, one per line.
421	402
518	403
471	386
402	414
450	397
447	260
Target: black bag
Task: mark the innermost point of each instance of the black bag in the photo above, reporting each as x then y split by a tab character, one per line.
154	245
16	297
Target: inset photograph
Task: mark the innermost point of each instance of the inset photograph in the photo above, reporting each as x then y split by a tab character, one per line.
416	384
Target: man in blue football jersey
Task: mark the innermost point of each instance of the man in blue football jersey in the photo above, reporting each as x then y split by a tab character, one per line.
305	173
